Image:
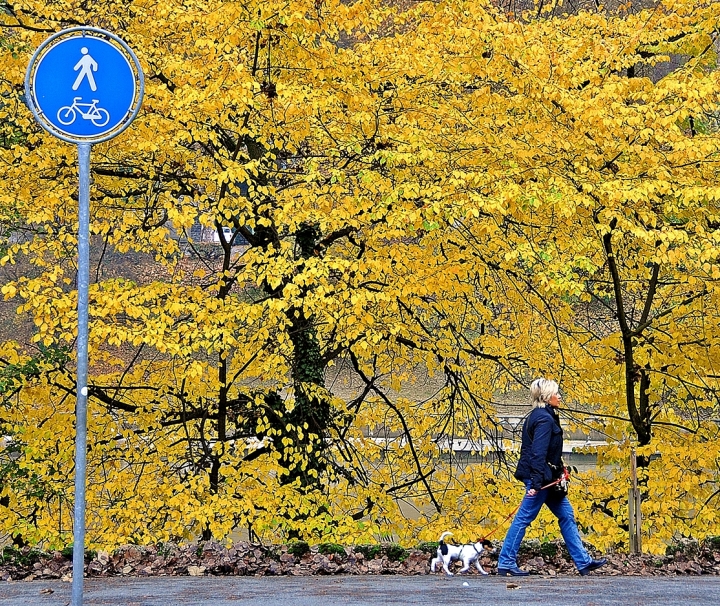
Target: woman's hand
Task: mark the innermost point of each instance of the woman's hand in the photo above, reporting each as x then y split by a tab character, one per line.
532	492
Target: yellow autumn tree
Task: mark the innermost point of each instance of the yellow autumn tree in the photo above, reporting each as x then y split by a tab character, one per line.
597	242
443	191
209	410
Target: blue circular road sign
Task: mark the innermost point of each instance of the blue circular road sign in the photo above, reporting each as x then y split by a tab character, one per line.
84	85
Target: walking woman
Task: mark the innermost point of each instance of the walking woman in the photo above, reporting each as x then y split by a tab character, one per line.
540	454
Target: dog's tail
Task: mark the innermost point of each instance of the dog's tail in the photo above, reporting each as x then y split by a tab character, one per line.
443	535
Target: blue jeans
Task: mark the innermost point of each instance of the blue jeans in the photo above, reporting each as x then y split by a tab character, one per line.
529	509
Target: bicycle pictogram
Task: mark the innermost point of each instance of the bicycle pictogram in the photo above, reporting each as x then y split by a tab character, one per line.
97	115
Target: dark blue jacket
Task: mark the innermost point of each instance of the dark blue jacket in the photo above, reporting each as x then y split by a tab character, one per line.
542	443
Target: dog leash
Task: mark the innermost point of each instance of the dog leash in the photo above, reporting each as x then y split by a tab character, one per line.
564	477
499	526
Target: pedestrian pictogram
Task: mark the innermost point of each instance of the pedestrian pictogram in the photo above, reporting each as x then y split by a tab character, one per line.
84	85
87	66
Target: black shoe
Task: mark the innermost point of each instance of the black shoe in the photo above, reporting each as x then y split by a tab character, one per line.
512	572
594	565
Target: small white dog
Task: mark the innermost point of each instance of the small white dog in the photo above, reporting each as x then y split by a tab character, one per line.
468	554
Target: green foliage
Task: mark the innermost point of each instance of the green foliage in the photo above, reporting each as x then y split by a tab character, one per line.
369	551
331	548
428	546
683	547
20	557
549	550
546	549
298	548
49	357
273	552
11	134
396	553
67	552
164	549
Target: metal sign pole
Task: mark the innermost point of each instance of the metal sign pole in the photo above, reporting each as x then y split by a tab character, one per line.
84	85
83	281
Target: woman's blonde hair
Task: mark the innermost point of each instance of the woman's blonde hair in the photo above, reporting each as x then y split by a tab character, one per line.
541	390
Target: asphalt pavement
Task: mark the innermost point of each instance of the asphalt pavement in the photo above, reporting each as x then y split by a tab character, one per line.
369	591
